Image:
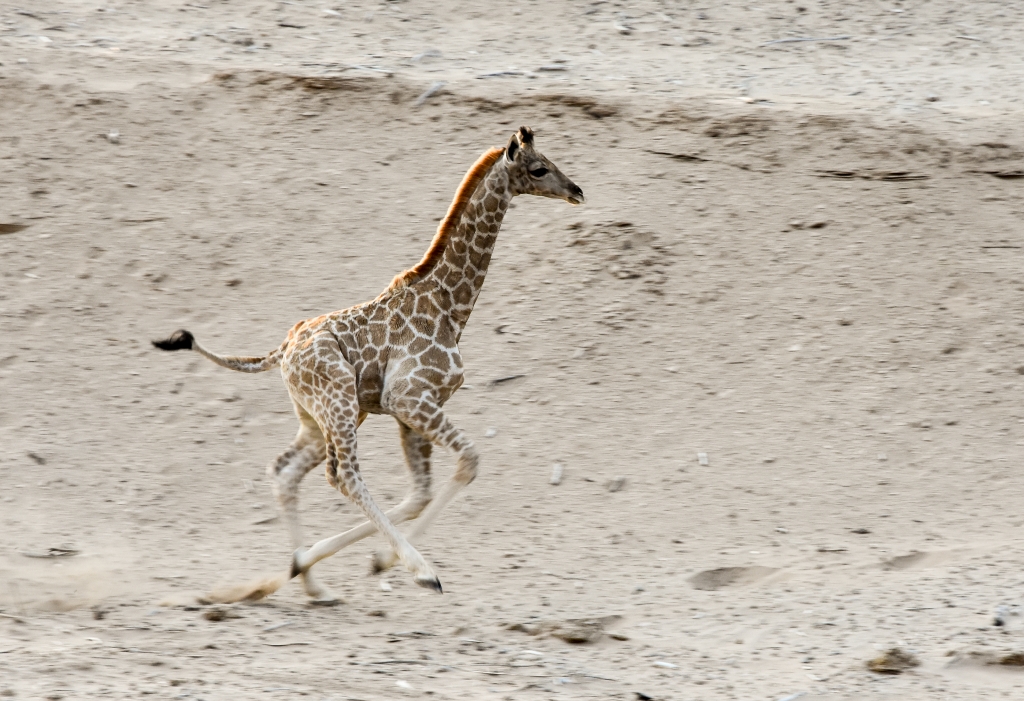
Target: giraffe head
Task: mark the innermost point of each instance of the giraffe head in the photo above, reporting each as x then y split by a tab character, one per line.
530	173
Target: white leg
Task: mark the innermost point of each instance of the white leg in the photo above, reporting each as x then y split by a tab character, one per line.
326	388
286	472
426	417
417	459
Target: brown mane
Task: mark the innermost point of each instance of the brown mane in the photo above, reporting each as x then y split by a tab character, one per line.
474	176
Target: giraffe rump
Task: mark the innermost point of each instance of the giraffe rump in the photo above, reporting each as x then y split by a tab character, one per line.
184	340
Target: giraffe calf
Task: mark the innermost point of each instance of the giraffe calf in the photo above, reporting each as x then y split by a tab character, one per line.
398	355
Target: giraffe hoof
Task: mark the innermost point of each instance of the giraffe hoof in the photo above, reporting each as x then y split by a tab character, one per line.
430	582
382	561
319	595
325	601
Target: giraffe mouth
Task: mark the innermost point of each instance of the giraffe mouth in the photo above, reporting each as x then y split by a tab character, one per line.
576	196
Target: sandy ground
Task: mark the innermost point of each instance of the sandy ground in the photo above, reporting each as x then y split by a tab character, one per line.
799	259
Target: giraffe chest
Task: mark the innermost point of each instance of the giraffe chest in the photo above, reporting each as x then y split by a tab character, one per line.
436	370
408	362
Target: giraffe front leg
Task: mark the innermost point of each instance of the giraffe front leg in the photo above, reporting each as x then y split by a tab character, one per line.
417	450
344	473
426	417
286	472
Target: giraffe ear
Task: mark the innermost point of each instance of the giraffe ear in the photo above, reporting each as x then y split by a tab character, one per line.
512	149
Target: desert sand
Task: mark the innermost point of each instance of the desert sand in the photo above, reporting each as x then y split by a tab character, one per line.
778	354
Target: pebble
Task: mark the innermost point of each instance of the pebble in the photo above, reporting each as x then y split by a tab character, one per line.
666	665
702	459
113	136
429	92
384	586
894	661
556	474
616	484
219	613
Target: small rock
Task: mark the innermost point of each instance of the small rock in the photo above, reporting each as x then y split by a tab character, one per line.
377	613
702	459
429	92
860	531
220	613
490	433
556	474
113	136
796	224
384	586
666	665
894	661
1013	659
616	484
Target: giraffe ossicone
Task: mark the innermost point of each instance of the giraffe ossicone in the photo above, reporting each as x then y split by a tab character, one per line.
399	355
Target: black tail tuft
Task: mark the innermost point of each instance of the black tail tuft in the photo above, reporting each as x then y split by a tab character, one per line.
179	340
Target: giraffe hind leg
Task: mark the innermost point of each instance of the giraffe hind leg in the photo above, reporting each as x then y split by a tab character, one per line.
417	450
306	451
422	414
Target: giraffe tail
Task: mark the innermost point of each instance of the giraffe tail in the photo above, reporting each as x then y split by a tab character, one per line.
183	340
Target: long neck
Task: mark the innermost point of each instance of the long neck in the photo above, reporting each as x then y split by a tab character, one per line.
463	266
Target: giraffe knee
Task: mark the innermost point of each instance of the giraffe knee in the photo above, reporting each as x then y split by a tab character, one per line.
280	463
284	476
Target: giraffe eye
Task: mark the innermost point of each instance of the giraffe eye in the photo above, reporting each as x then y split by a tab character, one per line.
539	172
